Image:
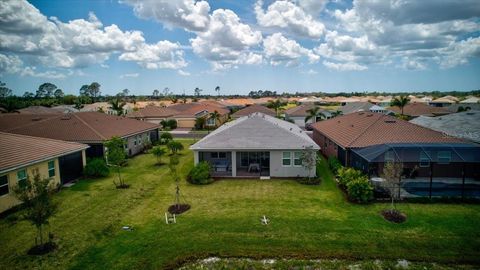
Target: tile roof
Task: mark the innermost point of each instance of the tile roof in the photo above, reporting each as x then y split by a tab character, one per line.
153	112
363	129
461	125
252	109
301	110
188	110
85	127
19	150
417	109
355	107
256	132
39	110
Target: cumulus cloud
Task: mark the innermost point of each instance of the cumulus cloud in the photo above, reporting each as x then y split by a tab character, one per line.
74	44
344	66
50	74
191	15
313	7
281	50
10	64
183	73
163	54
129	75
290	17
227	41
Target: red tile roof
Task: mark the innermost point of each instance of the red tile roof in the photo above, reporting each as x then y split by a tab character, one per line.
153	112
253	109
417	109
78	127
301	110
19	150
365	129
189	110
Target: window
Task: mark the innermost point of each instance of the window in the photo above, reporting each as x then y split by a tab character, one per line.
424	159
297	161
286	159
134	140
214	154
3	185
21	177
389	156
139	139
444	157
222	155
51	168
210	122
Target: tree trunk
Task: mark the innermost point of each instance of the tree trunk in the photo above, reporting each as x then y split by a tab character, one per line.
41	234
119	176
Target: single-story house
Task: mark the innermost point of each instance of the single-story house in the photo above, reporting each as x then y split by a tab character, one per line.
184	113
106	107
91	128
367	141
353	107
463	125
39	110
254	146
471	100
23	156
418	109
298	114
443	101
253	109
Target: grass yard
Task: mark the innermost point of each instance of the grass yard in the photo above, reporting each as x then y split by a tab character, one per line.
306	222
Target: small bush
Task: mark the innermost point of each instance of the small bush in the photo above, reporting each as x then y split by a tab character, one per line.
172	123
165	137
334	164
200	174
175	146
346	175
360	190
96	168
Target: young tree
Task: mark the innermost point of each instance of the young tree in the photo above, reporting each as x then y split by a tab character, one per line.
217	89
215	115
314	113
175	147
309	159
197	91
36	195
400	102
200	123
165	137
115	154
392	173
158	152
276	105
117	105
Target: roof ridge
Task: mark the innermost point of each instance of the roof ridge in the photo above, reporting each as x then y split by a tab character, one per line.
363	132
90	127
39	138
33	123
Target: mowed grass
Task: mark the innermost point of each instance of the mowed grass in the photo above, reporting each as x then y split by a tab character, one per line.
306	222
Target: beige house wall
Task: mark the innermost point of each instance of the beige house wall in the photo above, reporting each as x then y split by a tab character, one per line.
9	200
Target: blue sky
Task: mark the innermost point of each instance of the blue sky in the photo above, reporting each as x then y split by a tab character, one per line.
287	45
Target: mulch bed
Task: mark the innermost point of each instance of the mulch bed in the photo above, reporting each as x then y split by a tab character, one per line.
177	209
42	249
394	216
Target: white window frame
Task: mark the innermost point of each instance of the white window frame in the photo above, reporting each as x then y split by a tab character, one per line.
49	169
18	177
424	160
289	159
295	158
8	187
439	157
208	122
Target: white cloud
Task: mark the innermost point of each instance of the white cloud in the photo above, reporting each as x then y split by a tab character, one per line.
459	52
280	50
227	41
290	17
183	73
50	74
344	66
10	64
74	44
313	7
191	15
129	75
412	64
164	54
310	72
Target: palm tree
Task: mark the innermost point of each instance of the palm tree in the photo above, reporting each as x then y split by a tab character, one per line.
117	105
276	105
400	102
336	113
215	115
217	89
314	113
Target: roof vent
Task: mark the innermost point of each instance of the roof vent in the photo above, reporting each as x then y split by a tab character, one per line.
36	118
351	125
390	121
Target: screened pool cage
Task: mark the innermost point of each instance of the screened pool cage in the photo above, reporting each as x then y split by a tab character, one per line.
433	170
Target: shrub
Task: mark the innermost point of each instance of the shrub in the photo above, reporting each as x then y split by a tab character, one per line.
172	123
360	190
96	168
334	164
165	137
346	175
200	174
175	146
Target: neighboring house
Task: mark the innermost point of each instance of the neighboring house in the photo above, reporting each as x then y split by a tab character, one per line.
105	107
418	109
470	100
311	99
443	101
184	113
463	125
255	145
253	109
298	114
385	102
91	128
23	156
361	107
39	110
367	141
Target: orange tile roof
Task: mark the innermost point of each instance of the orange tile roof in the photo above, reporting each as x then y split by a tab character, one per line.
79	127
19	150
416	109
365	129
253	109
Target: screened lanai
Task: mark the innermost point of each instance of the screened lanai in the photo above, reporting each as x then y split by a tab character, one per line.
433	170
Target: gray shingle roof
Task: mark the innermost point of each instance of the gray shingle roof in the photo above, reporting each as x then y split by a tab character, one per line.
256	132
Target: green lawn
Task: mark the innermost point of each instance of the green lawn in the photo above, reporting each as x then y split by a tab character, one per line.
306	222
